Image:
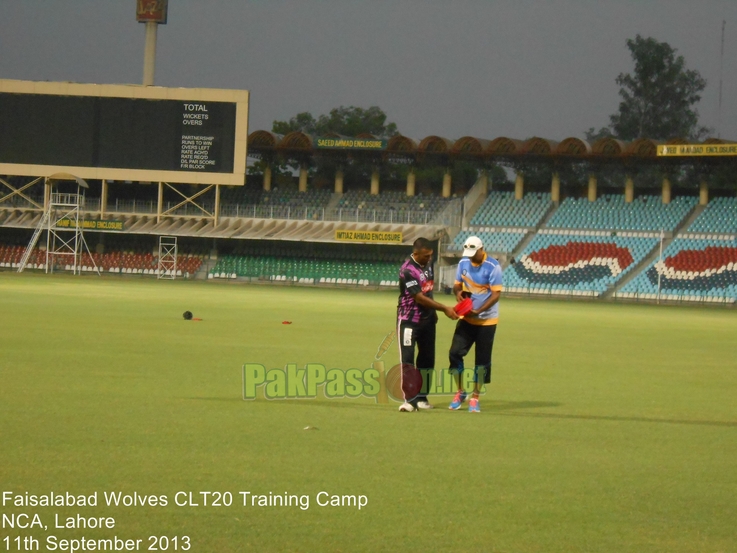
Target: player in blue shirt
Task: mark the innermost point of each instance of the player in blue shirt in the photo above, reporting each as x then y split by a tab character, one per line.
480	278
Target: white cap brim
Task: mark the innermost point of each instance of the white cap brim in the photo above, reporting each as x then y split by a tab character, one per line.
470	252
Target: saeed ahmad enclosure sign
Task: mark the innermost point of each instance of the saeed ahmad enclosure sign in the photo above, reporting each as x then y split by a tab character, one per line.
351	143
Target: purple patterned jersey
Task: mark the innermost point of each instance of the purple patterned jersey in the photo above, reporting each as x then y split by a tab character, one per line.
413	278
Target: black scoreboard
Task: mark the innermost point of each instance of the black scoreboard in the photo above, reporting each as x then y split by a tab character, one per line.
120	133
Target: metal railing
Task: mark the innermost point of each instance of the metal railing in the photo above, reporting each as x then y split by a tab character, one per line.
21	202
450	215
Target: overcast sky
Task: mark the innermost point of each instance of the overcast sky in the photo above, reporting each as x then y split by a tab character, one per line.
464	67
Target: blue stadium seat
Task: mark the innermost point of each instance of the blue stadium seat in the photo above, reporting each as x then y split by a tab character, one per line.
494	242
719	217
692	269
611	212
501	209
575	263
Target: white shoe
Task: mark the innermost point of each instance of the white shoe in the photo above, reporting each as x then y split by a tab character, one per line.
425	405
406	407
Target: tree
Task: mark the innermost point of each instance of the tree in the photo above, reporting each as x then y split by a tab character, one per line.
304	122
348	121
592	135
658	98
658	101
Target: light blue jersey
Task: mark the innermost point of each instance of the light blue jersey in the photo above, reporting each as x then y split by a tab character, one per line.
481	280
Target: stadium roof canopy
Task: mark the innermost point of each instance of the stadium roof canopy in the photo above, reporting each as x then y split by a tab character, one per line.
500	149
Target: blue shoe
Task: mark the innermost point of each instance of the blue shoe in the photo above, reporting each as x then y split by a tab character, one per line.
473	405
458	400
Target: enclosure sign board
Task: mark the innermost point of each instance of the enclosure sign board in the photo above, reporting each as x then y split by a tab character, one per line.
351	143
698	150
368	236
92	224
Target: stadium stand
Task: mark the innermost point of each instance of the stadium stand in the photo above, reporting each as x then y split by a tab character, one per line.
399	201
307	271
703	270
719	217
354	205
120	262
501	209
576	263
285	203
495	241
326	264
611	212
277	197
419	209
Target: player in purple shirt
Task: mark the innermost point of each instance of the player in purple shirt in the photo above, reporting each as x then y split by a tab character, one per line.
416	319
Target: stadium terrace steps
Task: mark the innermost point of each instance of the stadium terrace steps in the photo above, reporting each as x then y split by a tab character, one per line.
575	263
530	236
501	209
719	217
667	239
703	270
504	224
277	197
496	240
611	212
120	262
334	201
362	199
306	270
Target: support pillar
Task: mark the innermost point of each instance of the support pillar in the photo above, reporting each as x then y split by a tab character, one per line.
375	182
103	199
149	54
592	187
411	183
703	192
339	181
629	190
217	204
666	190
303	178
267	178
160	203
447	183
47	194
555	188
484	178
519	186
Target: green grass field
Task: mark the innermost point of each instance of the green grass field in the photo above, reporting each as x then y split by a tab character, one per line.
607	428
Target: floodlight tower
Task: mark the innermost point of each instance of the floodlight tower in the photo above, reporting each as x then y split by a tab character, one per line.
153	13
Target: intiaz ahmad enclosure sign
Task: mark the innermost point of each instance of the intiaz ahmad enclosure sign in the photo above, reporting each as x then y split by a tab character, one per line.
368	236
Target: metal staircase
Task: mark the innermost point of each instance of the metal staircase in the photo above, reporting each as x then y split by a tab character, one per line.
43	223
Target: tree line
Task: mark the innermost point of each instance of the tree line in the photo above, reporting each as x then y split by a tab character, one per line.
658	100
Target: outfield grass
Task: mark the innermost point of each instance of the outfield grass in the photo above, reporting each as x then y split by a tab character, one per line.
608	428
